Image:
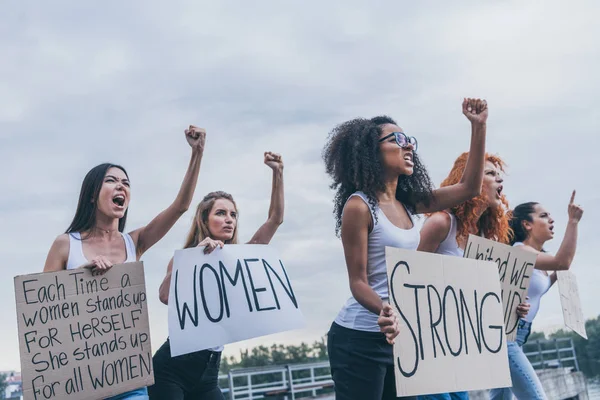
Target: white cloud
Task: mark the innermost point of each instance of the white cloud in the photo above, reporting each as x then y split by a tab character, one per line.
84	84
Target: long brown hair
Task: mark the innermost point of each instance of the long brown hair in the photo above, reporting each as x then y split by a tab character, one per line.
493	223
199	230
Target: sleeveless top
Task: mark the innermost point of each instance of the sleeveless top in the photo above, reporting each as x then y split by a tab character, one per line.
539	284
77	258
353	315
450	246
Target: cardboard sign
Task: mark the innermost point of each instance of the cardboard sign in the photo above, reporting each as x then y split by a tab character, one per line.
83	336
571	302
235	293
515	267
451	323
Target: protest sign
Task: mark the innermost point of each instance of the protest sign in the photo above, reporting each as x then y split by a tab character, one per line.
235	293
571	302
515	267
451	323
83	336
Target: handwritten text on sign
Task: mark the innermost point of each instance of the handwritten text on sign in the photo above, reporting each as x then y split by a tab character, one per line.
83	336
451	323
235	293
515	267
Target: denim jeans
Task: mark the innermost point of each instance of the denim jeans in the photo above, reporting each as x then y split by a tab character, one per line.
138	394
526	384
445	396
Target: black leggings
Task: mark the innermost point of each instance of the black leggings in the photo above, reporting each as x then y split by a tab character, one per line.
362	365
191	376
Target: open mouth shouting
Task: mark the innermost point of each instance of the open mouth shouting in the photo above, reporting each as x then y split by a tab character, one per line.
499	191
119	200
408	157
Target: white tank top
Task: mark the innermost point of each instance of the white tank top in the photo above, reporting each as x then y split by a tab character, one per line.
450	246
384	233
539	284
77	258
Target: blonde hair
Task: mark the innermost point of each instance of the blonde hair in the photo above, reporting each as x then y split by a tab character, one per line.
199	230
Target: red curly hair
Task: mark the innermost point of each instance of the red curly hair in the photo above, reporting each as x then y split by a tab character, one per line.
493	223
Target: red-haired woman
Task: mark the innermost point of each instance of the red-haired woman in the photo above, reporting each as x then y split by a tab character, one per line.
446	232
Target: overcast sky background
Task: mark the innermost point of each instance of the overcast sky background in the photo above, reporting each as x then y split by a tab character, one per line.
120	81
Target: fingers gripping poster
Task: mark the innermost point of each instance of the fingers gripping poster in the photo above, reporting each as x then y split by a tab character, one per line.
451	323
83	336
235	293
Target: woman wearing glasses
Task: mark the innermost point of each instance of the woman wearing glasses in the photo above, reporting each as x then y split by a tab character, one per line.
380	184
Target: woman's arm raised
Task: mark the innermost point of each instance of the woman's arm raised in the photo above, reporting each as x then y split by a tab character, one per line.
564	256
147	236
265	233
476	111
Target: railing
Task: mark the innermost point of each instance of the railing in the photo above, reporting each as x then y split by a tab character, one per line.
555	353
283	380
315	379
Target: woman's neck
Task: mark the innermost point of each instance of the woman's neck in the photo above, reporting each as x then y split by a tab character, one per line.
105	228
389	193
533	242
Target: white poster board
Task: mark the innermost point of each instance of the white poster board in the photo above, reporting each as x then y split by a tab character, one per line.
451	323
83	336
515	267
571	302
235	293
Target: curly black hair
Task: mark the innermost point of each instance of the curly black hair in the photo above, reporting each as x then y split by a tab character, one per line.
353	160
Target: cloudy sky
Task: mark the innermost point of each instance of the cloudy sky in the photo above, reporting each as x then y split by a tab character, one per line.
119	81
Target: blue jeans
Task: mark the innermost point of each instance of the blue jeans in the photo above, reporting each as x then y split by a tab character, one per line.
526	384
137	394
445	396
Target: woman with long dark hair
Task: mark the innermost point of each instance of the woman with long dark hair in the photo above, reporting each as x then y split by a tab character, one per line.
487	215
96	239
195	375
380	183
532	227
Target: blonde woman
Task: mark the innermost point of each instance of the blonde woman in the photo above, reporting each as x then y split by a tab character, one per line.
195	375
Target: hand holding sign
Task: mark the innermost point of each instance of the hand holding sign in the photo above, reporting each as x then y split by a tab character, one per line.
99	265
388	323
523	309
210	245
575	210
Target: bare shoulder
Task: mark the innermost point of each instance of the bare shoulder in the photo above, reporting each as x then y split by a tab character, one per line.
61	244
356	208
440	221
58	254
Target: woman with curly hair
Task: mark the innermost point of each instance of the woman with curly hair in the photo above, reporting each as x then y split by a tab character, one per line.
446	232
380	182
532	227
